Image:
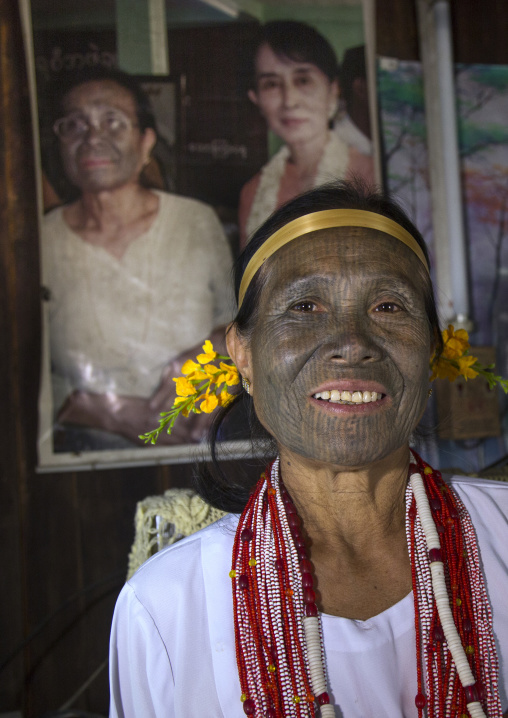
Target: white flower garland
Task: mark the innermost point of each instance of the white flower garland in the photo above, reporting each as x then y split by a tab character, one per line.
333	165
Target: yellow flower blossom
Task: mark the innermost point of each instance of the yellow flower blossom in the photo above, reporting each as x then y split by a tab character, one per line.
211	371
190	366
444	369
193	371
209	353
454	360
225	398
456	343
184	387
230	373
465	367
210	403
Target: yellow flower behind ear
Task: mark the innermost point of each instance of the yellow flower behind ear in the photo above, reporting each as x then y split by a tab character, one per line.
456	343
210	403
209	353
184	387
465	367
225	398
230	374
190	366
211	372
193	371
443	369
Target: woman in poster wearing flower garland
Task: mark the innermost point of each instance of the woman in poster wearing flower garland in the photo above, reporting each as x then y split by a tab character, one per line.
351	580
294	84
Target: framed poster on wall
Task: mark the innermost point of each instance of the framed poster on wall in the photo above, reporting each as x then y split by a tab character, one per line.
142	179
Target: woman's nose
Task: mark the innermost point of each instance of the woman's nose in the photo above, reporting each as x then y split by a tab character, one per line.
94	131
353	345
290	95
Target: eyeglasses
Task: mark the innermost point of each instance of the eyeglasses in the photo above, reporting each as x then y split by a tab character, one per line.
76	125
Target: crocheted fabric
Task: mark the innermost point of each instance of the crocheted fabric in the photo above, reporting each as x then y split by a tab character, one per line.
162	520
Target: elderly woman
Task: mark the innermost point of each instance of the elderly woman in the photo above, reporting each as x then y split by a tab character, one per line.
355	582
294	84
120	317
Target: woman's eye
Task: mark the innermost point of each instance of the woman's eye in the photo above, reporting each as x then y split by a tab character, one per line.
388	307
303	80
268	85
304	306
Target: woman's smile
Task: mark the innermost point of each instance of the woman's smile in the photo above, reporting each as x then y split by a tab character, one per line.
350	396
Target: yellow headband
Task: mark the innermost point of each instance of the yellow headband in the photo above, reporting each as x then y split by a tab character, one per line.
326	219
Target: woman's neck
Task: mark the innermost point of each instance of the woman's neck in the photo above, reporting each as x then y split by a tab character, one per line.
354	527
117	206
306	156
345	505
114	219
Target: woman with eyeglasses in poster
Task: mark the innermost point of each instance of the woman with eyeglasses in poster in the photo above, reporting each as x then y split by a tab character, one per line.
120	318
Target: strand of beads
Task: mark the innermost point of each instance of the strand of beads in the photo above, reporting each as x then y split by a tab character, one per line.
442	600
267	600
300	698
312	626
422	598
481	617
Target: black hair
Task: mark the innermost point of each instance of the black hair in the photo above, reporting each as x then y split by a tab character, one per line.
214	486
297	41
59	90
353	66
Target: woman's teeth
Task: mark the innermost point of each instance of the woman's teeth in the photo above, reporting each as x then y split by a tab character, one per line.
347	397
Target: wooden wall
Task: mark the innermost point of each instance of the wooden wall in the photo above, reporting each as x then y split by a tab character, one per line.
62	534
479	30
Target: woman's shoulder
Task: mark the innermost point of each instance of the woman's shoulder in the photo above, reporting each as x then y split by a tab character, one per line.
486	498
53	219
360	166
179	570
474	485
179	203
249	188
487	504
194	220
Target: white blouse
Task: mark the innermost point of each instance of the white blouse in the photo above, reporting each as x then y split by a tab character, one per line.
173	647
114	324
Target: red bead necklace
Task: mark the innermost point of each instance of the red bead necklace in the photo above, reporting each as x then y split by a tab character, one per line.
279	649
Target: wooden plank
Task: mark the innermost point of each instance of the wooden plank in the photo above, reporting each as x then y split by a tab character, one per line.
15	228
396	30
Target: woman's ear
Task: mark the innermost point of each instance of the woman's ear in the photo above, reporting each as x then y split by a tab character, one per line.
334	99
147	143
434	343
252	95
239	351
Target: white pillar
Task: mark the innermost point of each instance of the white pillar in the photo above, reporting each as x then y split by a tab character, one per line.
441	119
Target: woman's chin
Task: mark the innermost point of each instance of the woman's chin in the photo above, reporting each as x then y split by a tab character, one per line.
351	457
299	132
